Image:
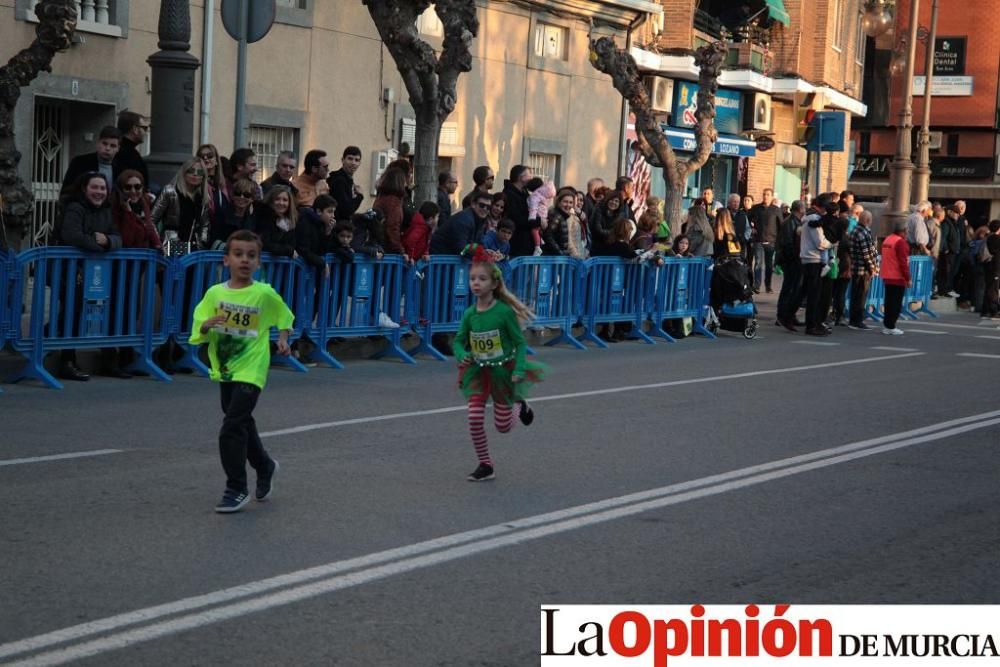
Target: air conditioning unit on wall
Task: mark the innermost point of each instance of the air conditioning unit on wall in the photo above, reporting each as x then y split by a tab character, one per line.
381	160
757	113
661	93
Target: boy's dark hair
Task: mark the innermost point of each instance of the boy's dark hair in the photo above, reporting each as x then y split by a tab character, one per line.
311	160
994	226
110	132
534	184
351	150
507	224
324	202
843	207
344	226
846	193
429	209
240	157
244	235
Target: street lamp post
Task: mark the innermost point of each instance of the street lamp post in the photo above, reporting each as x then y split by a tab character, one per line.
901	169
922	175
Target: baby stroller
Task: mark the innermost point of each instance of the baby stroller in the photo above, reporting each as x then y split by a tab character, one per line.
732	308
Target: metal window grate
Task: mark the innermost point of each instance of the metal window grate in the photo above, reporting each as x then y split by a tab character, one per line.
267	142
545	166
292	4
47	168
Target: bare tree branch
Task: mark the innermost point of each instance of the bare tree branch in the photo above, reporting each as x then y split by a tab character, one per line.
617	63
53	34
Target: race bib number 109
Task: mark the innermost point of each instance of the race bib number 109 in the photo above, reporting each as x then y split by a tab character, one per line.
486	345
241	320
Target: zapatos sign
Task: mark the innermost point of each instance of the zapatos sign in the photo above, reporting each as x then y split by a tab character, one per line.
709	635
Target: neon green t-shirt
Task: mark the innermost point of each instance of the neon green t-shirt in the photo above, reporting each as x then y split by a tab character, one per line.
240	348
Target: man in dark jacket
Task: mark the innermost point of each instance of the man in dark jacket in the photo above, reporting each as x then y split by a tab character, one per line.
447	185
100	161
463	229
790	297
133	128
590	202
521	243
342	185
766	217
284	171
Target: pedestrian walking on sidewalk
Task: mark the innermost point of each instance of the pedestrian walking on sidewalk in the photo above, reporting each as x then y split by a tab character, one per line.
896	275
492	358
235	319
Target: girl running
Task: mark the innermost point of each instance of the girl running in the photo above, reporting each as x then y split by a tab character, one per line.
491	352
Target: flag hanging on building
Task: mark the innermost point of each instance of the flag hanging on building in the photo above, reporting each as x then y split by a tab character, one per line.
639	171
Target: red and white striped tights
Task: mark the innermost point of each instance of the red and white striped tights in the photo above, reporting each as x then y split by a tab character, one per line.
503	419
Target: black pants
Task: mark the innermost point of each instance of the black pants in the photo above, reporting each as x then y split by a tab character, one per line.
825	298
763	262
840	287
991	298
791	292
238	439
811	289
944	274
859	294
893	304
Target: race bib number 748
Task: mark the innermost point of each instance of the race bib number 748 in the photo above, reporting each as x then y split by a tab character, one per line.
241	320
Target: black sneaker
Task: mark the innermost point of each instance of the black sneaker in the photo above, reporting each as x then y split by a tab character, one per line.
481	474
232	501
525	414
265	484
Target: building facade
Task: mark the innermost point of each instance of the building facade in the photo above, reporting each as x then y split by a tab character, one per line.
964	103
321	78
786	58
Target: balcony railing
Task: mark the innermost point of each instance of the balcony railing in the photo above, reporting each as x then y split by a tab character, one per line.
749	44
95	16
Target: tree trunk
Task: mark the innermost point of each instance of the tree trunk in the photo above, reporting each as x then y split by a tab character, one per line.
425	163
673	209
54	33
431	79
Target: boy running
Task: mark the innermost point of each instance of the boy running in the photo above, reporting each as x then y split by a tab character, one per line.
235	319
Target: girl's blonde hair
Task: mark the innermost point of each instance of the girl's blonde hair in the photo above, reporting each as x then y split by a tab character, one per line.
500	292
180	183
216	178
273	193
723	225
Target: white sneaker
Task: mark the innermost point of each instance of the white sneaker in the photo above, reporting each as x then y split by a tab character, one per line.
953	293
826	270
887	332
896	332
537	252
385	322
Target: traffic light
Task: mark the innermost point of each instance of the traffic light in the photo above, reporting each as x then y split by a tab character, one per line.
804	115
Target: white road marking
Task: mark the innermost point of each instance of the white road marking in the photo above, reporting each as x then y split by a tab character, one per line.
814	342
596	392
894	349
978	355
339	575
60	457
989	337
924	331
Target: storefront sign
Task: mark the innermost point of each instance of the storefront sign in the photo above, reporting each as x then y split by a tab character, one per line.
944	86
683	140
949	56
765	143
728	119
873	166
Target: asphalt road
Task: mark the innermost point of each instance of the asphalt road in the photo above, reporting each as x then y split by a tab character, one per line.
782	469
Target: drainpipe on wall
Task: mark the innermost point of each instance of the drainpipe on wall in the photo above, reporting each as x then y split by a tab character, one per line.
623	135
207	46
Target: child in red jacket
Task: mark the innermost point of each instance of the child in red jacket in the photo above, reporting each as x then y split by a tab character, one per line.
417	240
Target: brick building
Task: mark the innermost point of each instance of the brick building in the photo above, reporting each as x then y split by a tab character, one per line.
786	57
963	119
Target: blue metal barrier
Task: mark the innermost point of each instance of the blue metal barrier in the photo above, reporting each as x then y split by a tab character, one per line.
615	291
441	297
552	287
351	300
94	301
921	287
680	289
7	318
193	274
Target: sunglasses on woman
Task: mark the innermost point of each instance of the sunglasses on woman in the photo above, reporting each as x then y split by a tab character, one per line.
241	193
133	187
195	172
207	156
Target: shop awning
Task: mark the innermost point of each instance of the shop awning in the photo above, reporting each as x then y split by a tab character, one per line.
683	140
776	8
